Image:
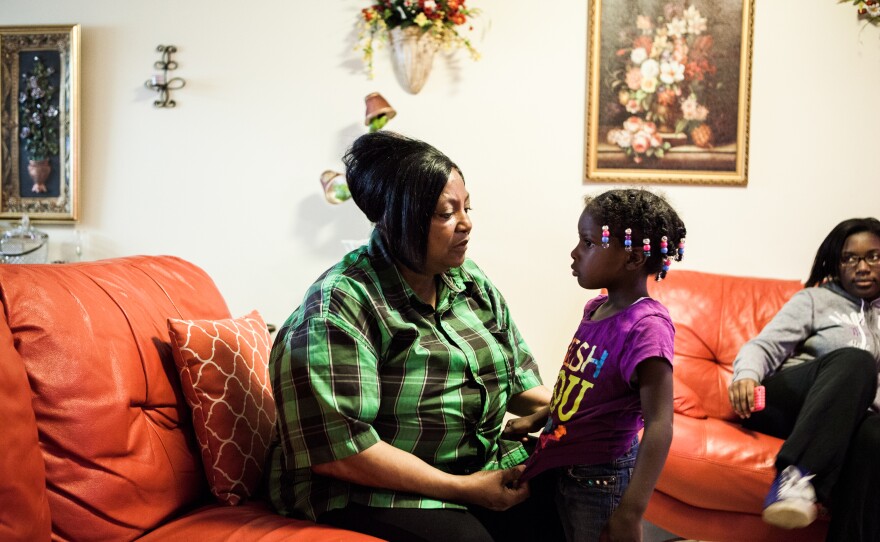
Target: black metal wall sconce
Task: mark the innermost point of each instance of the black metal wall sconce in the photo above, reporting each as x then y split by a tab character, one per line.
160	82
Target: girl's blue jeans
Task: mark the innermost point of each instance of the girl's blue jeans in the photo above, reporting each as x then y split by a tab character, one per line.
587	495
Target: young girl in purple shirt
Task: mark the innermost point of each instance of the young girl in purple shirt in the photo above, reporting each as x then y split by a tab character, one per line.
617	374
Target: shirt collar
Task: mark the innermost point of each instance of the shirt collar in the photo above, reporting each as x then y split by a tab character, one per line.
397	291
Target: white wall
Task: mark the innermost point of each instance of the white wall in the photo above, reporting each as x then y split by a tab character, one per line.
274	94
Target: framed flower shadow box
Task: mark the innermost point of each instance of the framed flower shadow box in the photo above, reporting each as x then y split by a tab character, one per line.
668	92
39	122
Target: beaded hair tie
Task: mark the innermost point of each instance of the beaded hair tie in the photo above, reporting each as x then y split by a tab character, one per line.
667	258
663	270
678	254
664	253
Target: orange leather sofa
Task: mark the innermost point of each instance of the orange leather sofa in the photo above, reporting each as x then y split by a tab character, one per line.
717	473
96	442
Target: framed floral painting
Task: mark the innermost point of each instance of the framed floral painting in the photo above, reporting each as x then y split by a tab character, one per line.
39	122
669	86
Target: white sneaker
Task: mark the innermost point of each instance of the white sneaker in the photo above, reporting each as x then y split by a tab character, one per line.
791	503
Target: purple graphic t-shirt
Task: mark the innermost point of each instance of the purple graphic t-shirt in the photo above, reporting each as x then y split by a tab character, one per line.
595	411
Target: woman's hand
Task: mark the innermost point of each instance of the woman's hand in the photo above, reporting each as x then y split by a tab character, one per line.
383	465
742	396
495	489
519	428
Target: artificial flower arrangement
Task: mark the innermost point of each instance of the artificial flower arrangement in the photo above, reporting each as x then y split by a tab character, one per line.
868	10
442	18
38	114
664	75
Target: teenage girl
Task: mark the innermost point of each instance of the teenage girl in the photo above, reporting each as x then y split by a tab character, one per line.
818	359
617	373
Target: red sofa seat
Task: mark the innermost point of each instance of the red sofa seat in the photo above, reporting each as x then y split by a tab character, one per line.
717	473
97	442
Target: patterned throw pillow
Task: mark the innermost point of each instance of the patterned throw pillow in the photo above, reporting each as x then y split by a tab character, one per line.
223	366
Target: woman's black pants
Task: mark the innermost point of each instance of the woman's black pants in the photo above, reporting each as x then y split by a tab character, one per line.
820	408
535	519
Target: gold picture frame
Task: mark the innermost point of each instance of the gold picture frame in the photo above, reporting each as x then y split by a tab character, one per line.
39	122
668	92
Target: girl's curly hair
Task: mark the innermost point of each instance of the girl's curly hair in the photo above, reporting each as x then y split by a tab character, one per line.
647	214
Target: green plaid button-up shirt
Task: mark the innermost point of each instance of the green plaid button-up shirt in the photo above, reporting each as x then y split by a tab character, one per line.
363	360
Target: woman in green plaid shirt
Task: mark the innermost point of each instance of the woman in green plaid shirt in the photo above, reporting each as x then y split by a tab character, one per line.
393	376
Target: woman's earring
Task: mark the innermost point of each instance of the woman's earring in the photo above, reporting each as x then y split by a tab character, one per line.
605	237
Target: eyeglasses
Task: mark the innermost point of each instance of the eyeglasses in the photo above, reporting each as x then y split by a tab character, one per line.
852	260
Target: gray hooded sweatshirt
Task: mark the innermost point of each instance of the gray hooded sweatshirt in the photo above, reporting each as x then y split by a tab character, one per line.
814	322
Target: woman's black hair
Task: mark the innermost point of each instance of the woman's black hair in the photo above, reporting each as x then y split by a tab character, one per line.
396	181
826	265
647	214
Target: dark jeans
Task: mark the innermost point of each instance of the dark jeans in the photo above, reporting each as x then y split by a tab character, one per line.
588	495
816	407
531	520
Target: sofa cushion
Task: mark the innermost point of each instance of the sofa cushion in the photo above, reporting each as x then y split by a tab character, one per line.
714	315
223	366
114	429
710	454
249	522
685	400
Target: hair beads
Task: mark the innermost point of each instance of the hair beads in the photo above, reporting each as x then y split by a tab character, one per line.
635	220
664	251
667	256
